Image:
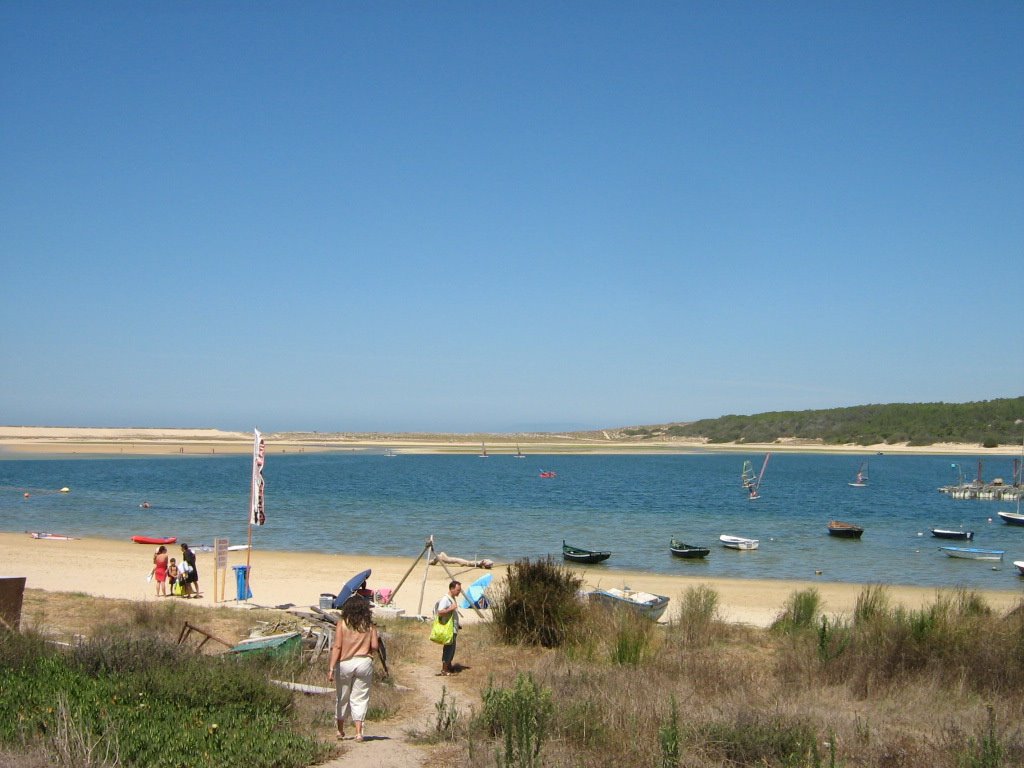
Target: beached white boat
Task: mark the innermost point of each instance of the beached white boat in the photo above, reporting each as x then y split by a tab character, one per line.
1020	566
738	542
647	604
973	553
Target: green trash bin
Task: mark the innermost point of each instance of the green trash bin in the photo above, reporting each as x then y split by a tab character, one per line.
242	592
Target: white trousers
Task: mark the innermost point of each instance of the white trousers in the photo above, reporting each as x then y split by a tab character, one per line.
352	681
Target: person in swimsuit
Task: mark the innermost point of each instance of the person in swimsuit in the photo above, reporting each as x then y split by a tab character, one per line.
160	571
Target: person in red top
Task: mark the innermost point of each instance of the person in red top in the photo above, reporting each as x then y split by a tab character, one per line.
351	664
160	571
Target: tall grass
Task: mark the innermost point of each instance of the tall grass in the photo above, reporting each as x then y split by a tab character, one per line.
801	612
698	615
883	688
521	715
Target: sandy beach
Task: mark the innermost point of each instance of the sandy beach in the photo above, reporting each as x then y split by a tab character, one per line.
22	440
118	569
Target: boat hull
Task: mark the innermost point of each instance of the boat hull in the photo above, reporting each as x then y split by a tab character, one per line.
738	542
645	604
588	559
688	552
1013	518
943	533
973	553
584	556
845	530
154	539
1019	564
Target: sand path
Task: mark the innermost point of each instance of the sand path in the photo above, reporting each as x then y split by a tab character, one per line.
390	743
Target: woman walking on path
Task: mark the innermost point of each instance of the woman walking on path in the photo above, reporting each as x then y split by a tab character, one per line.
351	664
160	571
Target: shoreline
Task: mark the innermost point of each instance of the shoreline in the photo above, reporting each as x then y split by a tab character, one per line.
22	442
279	579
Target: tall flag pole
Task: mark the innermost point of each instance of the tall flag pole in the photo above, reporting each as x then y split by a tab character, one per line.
257	509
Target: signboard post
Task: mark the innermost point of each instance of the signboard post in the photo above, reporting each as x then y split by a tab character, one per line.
220	566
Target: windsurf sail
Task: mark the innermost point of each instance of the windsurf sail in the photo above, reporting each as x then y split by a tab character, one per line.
751	481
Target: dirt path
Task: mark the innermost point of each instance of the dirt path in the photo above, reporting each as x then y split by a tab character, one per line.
388	743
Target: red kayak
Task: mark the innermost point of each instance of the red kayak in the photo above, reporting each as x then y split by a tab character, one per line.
154	539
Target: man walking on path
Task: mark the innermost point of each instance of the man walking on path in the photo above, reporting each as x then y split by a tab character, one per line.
448	606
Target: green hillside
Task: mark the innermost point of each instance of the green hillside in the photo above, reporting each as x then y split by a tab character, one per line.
988	423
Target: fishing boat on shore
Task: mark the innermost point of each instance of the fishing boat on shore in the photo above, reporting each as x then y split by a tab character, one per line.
580	555
688	551
844	530
973	553
645	604
860	480
738	542
950	533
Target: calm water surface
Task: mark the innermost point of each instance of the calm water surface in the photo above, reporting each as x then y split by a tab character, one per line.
501	509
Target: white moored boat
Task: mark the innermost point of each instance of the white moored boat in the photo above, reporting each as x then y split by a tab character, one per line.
737	542
973	553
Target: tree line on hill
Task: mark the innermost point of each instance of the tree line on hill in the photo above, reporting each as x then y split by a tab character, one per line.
989	423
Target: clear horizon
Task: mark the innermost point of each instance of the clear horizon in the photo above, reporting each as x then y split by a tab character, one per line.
506	218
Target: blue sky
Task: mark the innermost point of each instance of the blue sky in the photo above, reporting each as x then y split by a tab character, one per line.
505	216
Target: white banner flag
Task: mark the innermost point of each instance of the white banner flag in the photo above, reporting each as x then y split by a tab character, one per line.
257	513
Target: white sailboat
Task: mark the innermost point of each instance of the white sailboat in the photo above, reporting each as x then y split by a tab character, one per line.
483	451
519	453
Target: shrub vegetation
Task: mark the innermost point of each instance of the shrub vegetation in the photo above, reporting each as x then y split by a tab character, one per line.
989	423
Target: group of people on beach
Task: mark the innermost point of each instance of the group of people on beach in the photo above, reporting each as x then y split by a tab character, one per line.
182	578
356	641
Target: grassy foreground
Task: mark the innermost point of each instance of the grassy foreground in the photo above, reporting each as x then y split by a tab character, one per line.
939	687
892	688
124	693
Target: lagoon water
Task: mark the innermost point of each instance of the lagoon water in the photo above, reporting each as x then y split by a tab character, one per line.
500	508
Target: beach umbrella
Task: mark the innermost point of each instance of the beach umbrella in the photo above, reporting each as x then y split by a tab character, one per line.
349	588
472	594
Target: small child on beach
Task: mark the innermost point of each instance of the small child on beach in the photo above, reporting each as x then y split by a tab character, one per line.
173	577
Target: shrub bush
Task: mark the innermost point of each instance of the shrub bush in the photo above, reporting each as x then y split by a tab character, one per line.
539	604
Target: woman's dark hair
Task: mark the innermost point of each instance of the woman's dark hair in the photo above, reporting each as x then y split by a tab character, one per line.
356	613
